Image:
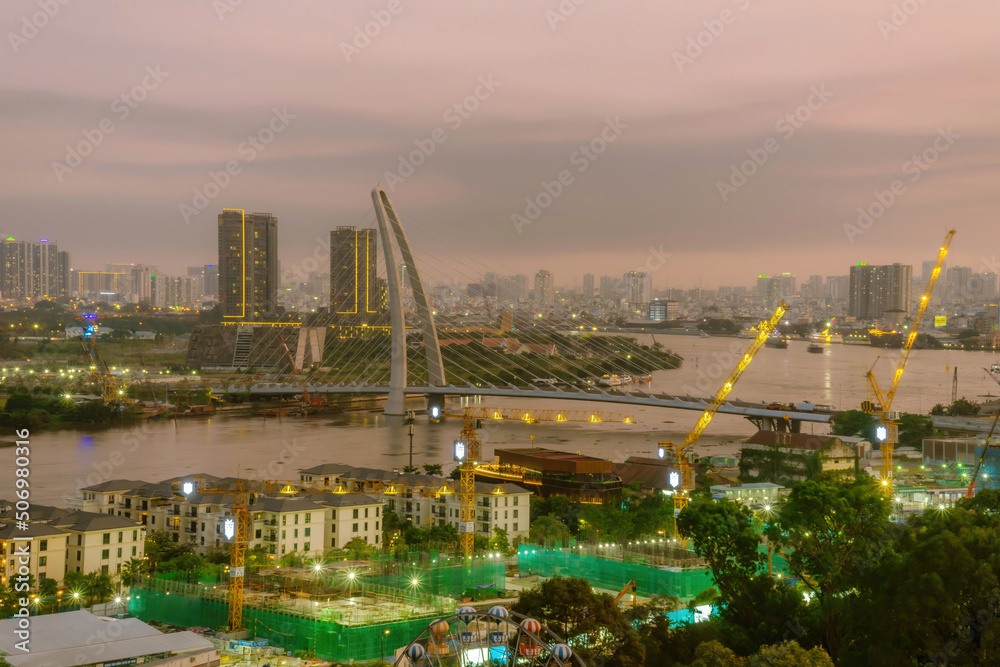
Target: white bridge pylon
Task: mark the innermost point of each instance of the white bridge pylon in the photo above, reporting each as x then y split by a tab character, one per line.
390	228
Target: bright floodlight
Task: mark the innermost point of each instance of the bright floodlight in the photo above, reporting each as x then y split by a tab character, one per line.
767	508
118	600
187	487
350	575
415	582
675	478
76	595
229	528
881	433
661	452
318	567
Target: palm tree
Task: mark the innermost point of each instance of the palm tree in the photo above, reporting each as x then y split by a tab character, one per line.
133	571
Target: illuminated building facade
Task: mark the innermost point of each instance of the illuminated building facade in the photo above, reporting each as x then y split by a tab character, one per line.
33	270
248	264
357	294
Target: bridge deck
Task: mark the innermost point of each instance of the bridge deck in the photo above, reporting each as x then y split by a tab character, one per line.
640	398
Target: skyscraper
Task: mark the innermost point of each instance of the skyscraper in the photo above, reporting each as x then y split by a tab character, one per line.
877	289
545	292
248	264
637	290
588	286
357	295
33	270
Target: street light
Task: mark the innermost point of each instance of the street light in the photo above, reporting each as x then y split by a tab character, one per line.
382	651
410	418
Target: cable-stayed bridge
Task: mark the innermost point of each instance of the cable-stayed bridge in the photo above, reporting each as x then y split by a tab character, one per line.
388	339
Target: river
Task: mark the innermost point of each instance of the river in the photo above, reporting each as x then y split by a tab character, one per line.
66	460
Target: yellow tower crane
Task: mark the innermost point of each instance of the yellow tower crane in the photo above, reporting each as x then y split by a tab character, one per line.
467	451
680	452
880	404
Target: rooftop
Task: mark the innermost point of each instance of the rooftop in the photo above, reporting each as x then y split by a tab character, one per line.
67	639
551	460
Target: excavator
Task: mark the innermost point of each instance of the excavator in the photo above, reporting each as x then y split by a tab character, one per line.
630	587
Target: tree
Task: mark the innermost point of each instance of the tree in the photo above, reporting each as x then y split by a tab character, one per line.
853	422
790	654
571	609
714	654
500	543
913	429
963	408
133	571
161	547
433	468
548	529
410	469
828	531
358	548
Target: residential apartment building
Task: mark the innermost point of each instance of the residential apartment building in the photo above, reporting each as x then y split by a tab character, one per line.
46	548
248	264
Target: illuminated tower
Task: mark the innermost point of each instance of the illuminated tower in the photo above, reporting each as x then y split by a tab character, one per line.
248	264
357	295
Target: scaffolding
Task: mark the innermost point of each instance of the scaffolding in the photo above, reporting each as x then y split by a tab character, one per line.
684	580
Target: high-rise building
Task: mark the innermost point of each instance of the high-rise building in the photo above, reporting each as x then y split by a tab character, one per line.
521	288
588	286
207	280
357	295
545	291
174	291
660	310
248	264
838	287
958	284
877	289
33	270
637	290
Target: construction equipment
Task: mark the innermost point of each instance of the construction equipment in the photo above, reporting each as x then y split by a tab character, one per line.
307	400
685	480
880	404
629	587
467	451
986	445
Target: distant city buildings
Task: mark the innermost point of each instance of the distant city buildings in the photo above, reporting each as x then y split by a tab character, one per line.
877	289
174	292
588	285
638	290
33	270
664	310
248	264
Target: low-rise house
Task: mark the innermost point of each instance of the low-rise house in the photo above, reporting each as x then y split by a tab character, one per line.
778	455
762	493
45	546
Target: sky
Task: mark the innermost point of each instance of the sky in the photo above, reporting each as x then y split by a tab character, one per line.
708	142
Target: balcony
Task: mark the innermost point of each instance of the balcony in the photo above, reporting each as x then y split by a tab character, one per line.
485	503
270	537
190	529
485	517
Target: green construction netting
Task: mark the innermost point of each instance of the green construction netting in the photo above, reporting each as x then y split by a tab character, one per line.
482	579
612	574
181	604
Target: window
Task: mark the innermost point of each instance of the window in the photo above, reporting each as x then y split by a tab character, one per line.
505	514
295	546
308	516
366	512
333	528
119	552
333	541
376	512
111	499
366	526
515	526
496	501
333	514
295	533
296	519
355	514
106	538
515	514
257	533
505	500
305	547
515	500
376	525
354	529
376	539
307	532
496	515
104	569
133	551
42	561
43	545
282	534
104	554
120	537
79	541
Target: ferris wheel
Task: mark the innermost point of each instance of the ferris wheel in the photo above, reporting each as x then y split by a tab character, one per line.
494	638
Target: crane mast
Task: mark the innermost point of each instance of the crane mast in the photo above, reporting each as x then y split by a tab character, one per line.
880	404
680	452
